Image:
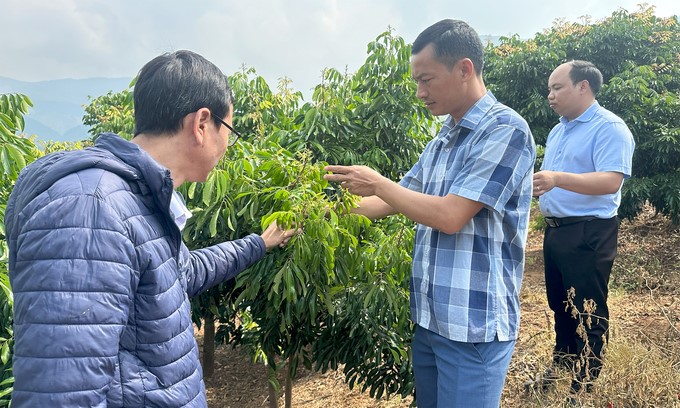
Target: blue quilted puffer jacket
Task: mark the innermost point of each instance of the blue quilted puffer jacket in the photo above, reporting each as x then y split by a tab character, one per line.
102	282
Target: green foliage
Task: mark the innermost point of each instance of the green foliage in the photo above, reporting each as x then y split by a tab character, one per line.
15	153
517	73
372	117
340	275
537	222
297	300
54	146
112	112
343	276
651	111
639	56
372	315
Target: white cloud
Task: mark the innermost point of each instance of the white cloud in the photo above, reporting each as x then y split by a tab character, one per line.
294	38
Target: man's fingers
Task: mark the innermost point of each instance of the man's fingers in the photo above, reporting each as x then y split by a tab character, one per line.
337	170
291	233
287	235
333	177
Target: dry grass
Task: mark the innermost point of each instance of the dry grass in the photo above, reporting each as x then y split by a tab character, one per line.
649	254
635	376
641	365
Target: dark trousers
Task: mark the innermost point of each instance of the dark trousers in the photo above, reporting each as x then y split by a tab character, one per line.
580	256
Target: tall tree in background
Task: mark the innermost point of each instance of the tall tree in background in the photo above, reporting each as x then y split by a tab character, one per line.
639	56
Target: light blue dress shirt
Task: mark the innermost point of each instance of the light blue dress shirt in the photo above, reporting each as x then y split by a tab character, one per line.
596	141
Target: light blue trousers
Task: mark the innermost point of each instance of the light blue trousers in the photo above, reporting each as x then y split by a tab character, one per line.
451	374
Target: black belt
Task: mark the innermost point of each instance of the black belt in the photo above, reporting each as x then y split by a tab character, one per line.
555	222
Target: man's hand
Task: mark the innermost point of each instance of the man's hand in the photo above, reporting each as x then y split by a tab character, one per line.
274	236
360	180
544	181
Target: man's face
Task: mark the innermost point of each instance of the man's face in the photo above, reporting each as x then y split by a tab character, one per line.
565	98
223	134
438	86
216	142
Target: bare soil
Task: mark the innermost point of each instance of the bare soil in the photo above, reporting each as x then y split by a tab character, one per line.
649	314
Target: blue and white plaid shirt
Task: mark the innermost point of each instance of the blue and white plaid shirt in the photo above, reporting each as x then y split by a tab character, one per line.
465	286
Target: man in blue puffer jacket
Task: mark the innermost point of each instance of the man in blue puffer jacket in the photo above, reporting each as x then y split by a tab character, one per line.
100	274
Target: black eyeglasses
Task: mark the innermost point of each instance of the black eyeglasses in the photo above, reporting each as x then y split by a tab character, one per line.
232	140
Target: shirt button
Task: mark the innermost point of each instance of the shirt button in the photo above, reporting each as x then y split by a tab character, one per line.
447	149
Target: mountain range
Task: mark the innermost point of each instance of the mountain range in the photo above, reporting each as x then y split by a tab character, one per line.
58	105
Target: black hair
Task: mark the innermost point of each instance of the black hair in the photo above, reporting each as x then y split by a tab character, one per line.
452	40
172	85
586	71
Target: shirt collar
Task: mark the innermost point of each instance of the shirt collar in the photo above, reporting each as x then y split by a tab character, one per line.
585	116
179	210
472	117
478	111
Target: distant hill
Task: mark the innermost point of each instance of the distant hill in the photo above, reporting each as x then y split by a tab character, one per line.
57	112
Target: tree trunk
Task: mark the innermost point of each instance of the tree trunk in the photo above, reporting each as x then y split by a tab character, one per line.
273	398
289	389
208	347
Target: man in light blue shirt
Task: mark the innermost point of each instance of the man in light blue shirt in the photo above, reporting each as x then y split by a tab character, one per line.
587	157
470	194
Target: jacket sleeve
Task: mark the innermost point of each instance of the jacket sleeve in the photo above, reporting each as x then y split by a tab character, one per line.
71	275
211	266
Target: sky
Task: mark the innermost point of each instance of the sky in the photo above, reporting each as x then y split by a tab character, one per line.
297	39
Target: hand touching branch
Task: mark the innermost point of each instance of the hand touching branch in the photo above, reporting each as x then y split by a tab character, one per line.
274	236
360	180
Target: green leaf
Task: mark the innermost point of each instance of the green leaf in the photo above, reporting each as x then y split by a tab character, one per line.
213	223
208	188
5	354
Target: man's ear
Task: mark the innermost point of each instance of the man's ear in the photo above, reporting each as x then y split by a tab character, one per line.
198	124
467	68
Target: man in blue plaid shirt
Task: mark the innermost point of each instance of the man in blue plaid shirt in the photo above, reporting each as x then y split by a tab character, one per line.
469	194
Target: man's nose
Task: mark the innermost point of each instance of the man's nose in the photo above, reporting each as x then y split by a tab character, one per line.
421	92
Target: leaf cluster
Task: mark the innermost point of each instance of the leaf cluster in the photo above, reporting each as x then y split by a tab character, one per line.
112	112
639	56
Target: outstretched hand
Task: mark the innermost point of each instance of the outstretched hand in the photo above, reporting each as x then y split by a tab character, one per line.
360	180
274	236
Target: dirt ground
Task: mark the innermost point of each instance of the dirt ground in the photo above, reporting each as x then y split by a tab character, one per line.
237	383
